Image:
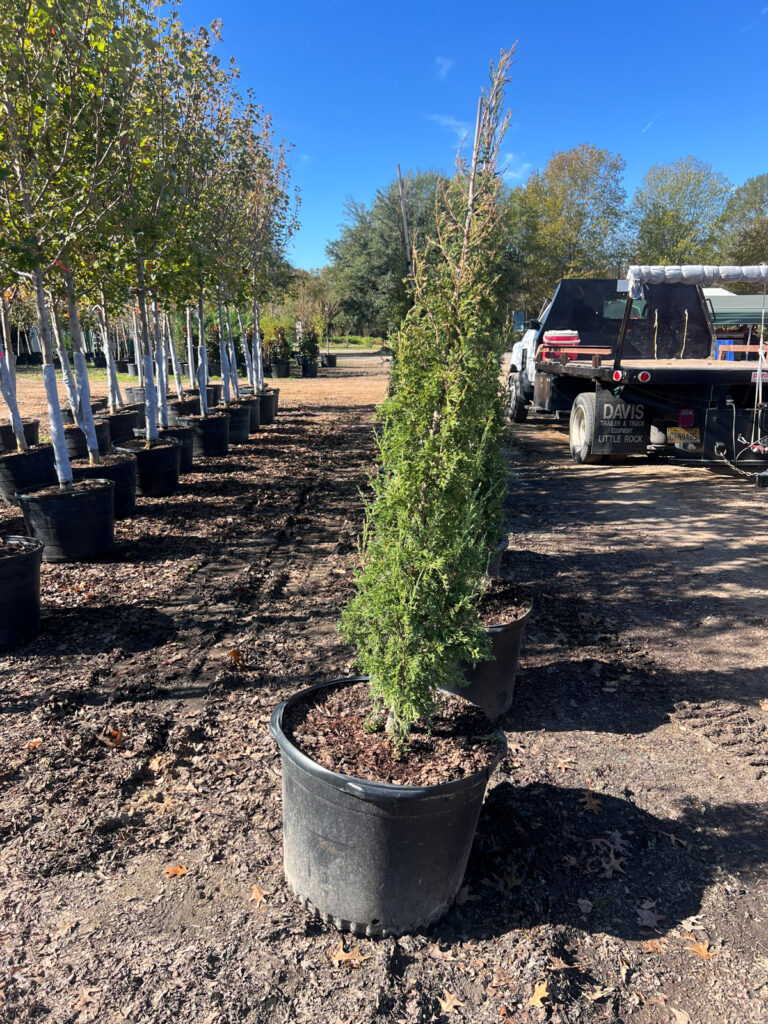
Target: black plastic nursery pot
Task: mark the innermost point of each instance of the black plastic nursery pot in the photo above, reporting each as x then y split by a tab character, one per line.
254	408
8	438
71	525
182	407
121	365
280	369
20	559
184	436
120	468
122	424
373	858
132	370
328	359
210	434
308	369
266	408
239	421
213	394
20	471
157	467
491	684
139	409
135	396
77	446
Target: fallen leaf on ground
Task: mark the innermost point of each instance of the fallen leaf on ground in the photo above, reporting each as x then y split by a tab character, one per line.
436	953
540	993
176	870
681	1017
236	656
591	803
110	737
701	949
337	955
84	997
503	1011
449	1001
599	993
675	840
655	946
258	895
764	703
34	743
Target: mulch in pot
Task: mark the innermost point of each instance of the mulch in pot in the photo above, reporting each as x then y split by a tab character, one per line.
503	602
330	729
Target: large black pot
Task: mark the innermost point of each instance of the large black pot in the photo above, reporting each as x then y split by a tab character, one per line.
20	471
122	424
182	407
280	369
266	408
213	394
140	410
77	446
121	470
328	359
371	857
239	421
491	684
254	408
19	590
121	365
157	468
210	434
184	436
308	368
72	525
135	395
8	438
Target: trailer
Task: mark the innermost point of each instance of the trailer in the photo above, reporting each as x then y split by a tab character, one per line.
636	366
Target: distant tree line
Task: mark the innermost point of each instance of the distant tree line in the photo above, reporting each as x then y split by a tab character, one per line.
571	219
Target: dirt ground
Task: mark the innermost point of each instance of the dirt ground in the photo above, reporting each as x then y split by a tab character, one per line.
619	868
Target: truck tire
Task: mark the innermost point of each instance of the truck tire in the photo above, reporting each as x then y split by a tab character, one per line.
518	407
581	429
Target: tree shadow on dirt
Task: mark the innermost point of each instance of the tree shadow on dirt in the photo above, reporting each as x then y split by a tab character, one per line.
546	855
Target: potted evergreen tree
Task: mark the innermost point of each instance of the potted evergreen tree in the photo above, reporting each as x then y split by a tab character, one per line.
382	787
309	350
279	354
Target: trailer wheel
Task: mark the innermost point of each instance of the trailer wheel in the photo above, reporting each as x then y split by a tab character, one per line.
518	407
582	428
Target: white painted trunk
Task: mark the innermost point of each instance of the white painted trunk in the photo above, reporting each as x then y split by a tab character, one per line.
85	417
232	356
137	350
70	385
63	467
8	392
223	357
161	362
246	351
190	350
202	370
174	358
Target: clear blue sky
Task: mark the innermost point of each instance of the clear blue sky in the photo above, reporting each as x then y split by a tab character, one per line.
360	86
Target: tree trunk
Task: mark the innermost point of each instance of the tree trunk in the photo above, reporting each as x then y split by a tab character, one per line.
8	387
115	398
85	419
150	395
10	355
137	355
232	356
223	353
258	362
63	468
190	349
174	357
161	361
70	385
202	368
246	351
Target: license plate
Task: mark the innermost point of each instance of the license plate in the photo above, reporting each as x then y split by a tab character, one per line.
683	435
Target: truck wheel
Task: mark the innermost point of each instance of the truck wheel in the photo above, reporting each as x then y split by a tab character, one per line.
518	407
582	428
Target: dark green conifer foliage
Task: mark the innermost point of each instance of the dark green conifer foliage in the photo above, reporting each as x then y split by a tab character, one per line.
435	518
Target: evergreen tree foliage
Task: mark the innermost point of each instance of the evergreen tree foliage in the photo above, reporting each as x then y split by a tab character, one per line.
436	514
